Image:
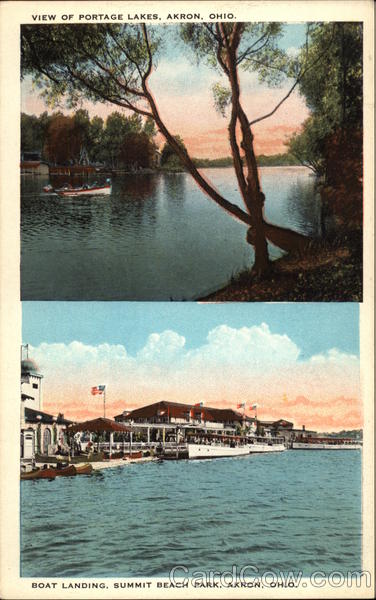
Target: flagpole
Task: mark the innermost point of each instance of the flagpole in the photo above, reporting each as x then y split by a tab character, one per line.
104	403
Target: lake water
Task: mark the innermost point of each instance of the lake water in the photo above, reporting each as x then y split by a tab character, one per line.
299	510
158	237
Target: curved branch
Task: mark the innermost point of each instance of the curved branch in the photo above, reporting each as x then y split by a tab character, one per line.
298	80
276	107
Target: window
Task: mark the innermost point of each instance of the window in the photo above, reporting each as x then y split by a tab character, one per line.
35	386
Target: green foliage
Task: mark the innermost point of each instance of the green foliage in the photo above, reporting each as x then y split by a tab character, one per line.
258	52
332	89
33	132
277	160
117	143
168	157
308	146
222	98
97	62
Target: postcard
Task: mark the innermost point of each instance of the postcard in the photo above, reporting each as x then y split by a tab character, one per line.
187	299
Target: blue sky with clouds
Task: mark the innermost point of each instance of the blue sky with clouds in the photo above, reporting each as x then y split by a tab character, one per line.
314	327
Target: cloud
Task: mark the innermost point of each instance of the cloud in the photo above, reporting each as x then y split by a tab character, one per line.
293	52
252	346
163	347
252	364
334	357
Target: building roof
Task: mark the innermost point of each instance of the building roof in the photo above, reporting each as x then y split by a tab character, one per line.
179	410
38	416
29	367
283	423
99	425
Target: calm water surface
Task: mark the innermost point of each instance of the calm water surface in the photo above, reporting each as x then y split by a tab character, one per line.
297	510
157	237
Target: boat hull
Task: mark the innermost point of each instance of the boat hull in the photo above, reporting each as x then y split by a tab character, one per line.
104	191
66	471
254	448
215	451
86	469
39	474
313	446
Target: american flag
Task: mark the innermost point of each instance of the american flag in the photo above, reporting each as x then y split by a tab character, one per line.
241	405
98	389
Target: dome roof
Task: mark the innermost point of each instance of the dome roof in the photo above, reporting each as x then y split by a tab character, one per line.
29	367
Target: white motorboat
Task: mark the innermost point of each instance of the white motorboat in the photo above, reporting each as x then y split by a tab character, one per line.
214	450
217	446
327	444
84	190
266	444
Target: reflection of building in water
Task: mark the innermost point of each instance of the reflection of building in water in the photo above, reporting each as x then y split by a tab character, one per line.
40	432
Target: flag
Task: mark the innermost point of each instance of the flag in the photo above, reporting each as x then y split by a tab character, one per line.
199	404
98	389
254	406
241	405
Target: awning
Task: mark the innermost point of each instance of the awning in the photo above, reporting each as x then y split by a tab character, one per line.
99	426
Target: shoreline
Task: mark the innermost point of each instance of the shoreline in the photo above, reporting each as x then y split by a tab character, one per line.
330	271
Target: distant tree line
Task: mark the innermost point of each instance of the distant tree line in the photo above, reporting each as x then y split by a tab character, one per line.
117	142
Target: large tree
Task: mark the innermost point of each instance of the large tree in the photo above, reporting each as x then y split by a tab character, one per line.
333	93
113	63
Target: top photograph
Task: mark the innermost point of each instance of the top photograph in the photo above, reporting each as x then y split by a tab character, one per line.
192	161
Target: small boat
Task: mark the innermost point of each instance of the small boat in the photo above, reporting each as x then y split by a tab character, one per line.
85	469
39	474
65	471
83	190
215	450
133	455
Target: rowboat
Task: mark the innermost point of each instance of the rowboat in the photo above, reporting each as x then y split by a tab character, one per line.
39	474
133	455
83	190
65	471
85	469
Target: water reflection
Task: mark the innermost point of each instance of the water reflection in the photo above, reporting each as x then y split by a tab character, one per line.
156	237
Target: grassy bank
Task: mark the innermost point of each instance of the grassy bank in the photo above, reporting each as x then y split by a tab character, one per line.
331	271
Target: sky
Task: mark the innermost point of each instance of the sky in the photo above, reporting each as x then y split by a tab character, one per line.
296	361
182	89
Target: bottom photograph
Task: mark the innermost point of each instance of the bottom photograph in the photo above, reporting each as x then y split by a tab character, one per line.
177	440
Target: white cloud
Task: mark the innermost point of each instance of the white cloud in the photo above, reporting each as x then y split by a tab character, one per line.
334	357
292	51
255	346
162	346
232	362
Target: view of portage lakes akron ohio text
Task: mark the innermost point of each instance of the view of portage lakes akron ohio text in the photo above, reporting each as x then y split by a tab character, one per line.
188	334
